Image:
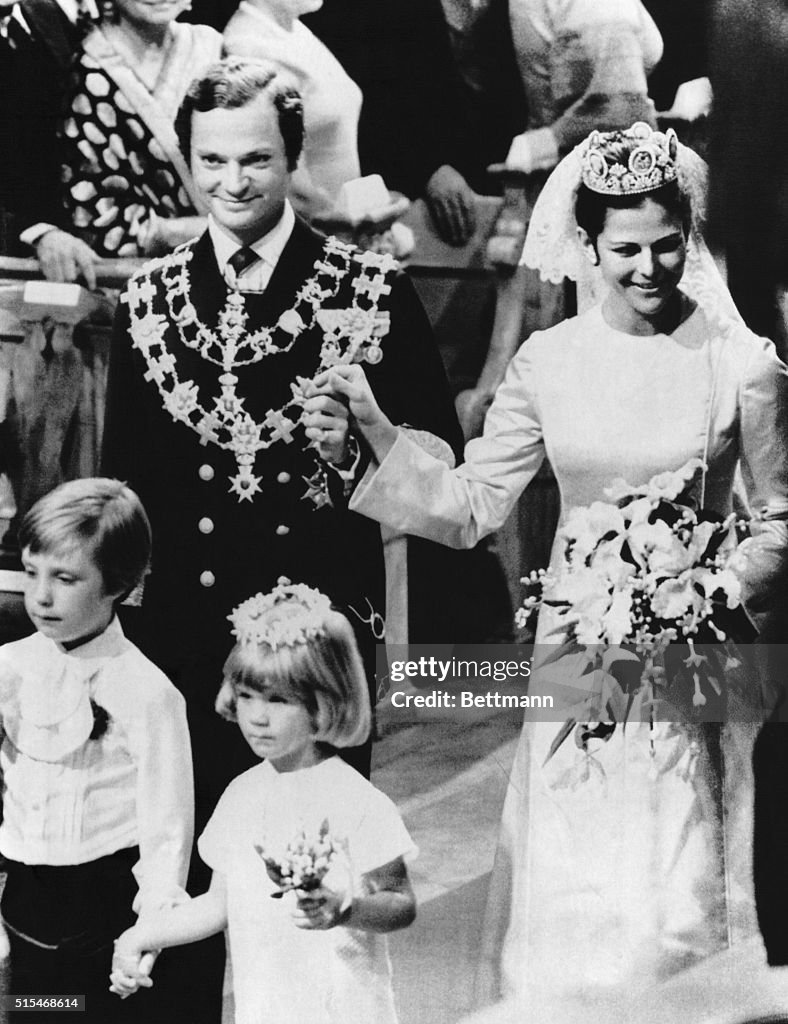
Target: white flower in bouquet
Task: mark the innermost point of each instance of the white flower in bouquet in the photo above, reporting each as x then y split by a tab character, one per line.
667	486
305	861
638	574
586	527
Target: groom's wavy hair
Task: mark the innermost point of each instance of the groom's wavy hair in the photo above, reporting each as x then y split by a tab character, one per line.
236	81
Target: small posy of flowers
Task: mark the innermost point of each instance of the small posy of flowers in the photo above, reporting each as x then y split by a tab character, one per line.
304	862
638	573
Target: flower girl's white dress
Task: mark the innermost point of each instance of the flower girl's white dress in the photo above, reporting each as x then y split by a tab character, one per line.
617	870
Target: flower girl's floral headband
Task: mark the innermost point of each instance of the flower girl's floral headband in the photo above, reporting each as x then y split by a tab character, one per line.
628	162
307	610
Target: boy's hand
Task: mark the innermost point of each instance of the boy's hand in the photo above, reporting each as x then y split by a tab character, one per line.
131	966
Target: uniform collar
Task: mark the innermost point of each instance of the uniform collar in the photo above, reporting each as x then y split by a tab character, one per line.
269	248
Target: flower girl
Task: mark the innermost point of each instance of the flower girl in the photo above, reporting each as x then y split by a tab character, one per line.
308	857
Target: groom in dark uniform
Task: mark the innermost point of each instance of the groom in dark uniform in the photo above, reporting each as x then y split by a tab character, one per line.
208	406
208	400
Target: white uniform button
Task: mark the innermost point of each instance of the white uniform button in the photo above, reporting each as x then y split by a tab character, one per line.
282	530
205	525
206	472
283	478
207	578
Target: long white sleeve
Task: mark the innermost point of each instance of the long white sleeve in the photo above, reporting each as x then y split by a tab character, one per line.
159	743
413	492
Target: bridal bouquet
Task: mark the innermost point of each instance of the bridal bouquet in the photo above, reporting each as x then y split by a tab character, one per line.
648	593
304	863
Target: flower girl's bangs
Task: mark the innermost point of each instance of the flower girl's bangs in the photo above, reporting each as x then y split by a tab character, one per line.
324	673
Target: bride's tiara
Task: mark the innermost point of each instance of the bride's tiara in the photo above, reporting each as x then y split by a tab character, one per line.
623	163
307	609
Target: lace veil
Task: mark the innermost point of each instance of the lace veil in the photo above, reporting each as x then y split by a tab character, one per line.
553	248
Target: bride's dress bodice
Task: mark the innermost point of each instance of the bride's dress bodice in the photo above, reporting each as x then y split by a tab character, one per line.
616	406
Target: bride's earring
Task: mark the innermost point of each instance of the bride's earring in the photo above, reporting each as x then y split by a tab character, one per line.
588	245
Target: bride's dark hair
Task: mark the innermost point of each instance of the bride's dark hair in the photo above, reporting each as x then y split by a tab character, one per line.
591	207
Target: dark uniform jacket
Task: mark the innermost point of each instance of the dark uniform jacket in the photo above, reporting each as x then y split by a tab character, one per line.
211	551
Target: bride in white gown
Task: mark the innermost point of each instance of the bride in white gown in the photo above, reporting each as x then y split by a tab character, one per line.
616	882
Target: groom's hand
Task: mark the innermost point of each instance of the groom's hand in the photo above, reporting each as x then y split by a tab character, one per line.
348	383
326	424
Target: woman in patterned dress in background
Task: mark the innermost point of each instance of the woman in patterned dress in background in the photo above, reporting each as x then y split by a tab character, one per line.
126	187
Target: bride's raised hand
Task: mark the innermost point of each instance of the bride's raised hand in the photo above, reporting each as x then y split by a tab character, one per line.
349	382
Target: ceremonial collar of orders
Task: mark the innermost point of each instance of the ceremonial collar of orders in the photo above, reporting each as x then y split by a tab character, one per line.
350	334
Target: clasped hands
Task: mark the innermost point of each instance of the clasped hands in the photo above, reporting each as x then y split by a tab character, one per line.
131	965
334	398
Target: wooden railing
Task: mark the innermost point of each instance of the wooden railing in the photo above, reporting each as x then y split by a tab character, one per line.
109	273
54	350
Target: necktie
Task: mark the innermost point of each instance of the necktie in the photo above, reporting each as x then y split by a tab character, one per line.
242	259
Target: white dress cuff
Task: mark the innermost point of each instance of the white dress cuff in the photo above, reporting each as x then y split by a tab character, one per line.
535	150
31	236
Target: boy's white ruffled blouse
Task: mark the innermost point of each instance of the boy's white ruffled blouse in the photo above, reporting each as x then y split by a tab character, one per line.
68	799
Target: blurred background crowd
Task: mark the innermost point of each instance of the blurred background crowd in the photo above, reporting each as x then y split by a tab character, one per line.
427	93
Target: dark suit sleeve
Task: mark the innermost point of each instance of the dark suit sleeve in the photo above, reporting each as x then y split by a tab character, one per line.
33	81
410	381
452	595
126	436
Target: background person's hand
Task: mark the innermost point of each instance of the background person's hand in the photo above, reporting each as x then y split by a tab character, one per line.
452	204
63	257
693	99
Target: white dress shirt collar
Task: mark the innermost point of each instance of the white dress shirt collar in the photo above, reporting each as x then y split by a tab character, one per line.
52	716
269	248
72	8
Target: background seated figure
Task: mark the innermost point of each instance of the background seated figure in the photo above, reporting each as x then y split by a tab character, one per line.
38	39
126	189
583	65
413	127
